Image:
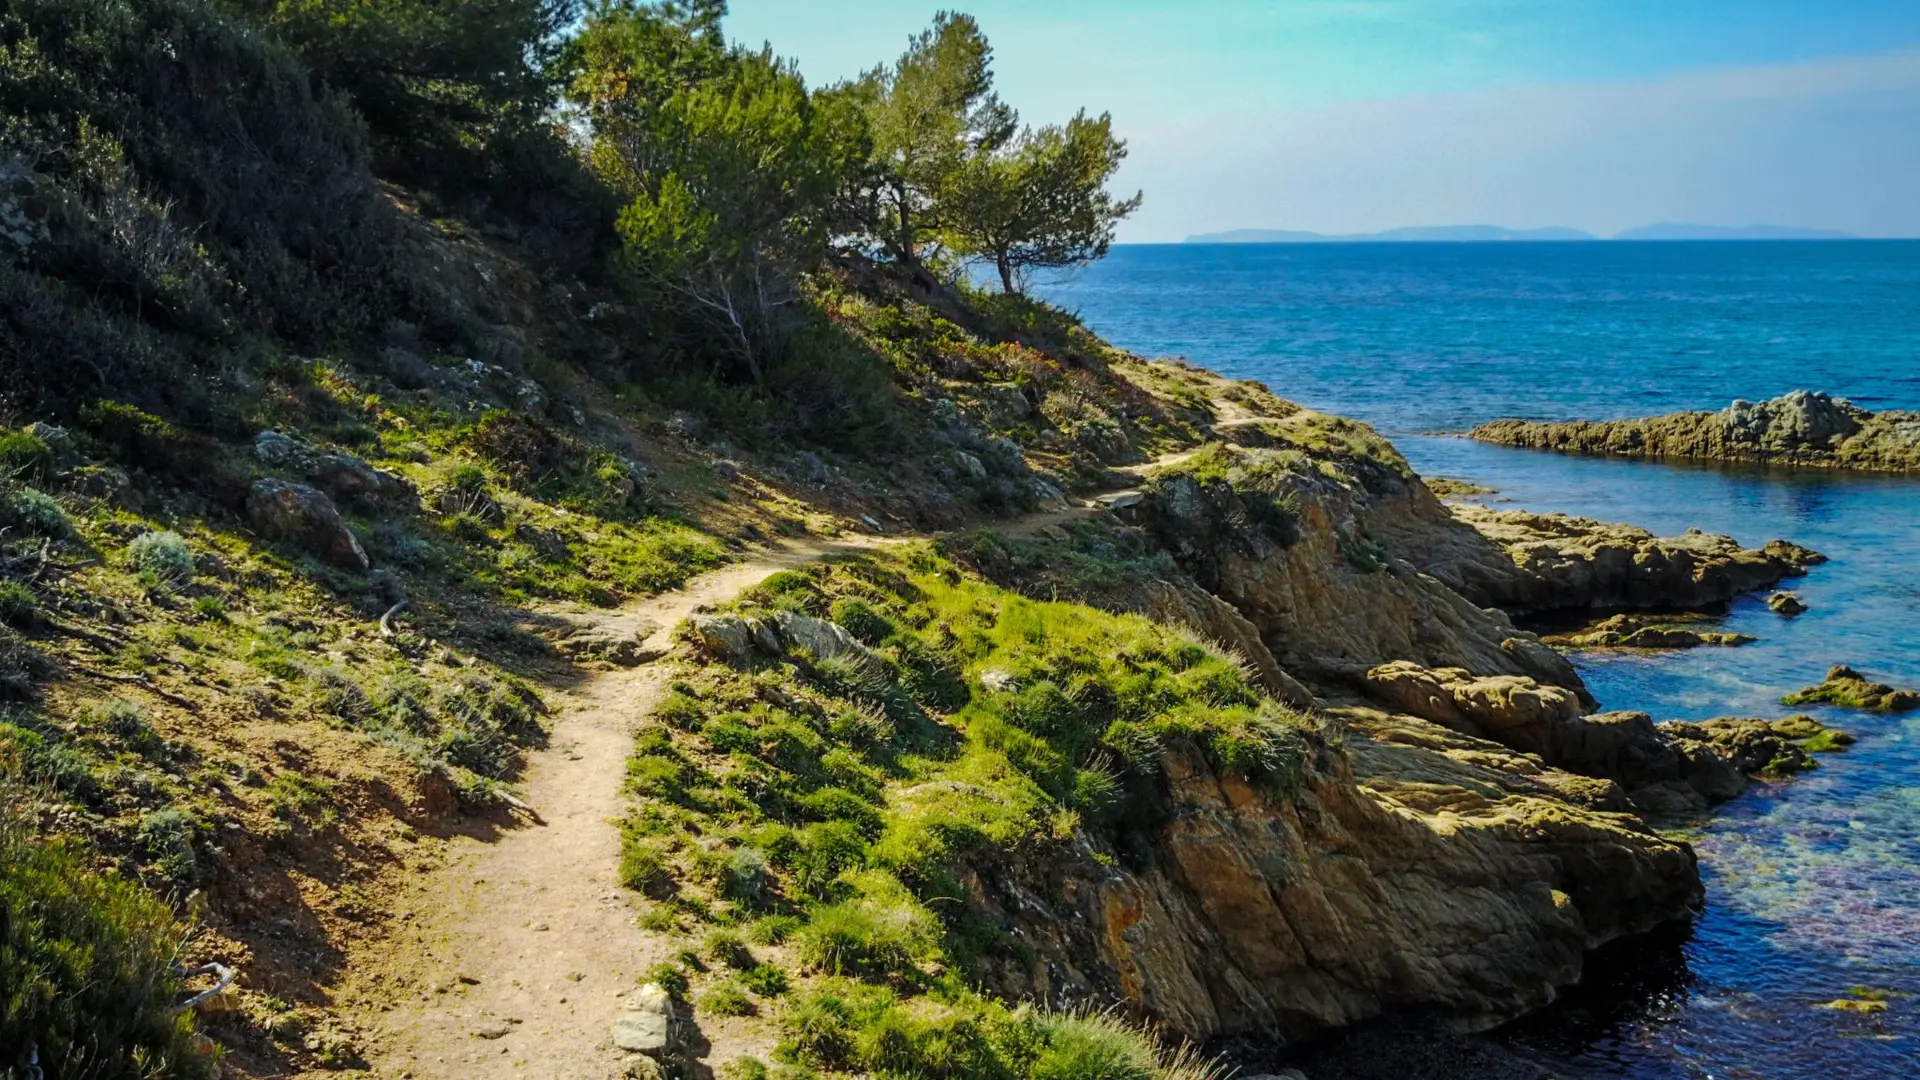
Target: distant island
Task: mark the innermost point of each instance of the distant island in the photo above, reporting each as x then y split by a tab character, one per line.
1438	234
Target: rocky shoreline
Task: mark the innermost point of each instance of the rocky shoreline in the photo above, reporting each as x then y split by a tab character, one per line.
1802	429
1474	783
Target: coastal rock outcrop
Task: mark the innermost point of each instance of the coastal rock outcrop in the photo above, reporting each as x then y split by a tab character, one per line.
1563	562
1632	632
1393	874
1661	768
1803	428
1849	689
1313	558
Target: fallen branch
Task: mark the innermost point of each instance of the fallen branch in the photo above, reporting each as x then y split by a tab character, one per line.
386	621
146	684
222	971
104	644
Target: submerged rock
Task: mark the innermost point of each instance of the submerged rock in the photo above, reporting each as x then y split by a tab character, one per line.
1803	428
1786	603
1849	689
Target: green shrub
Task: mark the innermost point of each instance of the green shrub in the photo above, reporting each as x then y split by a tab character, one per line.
24	455
773	929
883	931
643	867
208	185
827	849
669	977
128	722
163	559
727	998
210	608
19	607
745	1069
167	838
862	621
40	513
728	947
765	980
87	963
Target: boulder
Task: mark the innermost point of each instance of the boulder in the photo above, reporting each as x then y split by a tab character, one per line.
342	475
721	638
645	1025
1786	603
625	641
1561	562
304	516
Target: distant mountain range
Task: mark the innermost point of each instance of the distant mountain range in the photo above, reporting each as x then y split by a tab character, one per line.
1430	234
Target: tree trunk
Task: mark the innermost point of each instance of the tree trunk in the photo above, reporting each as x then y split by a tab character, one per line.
1006	272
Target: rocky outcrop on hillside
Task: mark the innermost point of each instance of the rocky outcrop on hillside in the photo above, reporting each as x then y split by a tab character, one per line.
1394	875
1802	428
1305	553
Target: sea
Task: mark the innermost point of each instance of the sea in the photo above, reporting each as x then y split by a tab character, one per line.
1813	883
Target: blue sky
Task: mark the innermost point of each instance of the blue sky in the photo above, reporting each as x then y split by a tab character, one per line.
1355	115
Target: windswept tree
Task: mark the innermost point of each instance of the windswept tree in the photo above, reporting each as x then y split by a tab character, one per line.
728	167
930	113
1041	201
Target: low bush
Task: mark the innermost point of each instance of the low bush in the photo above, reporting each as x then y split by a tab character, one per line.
24	456
727	998
19	607
86	960
39	513
163	559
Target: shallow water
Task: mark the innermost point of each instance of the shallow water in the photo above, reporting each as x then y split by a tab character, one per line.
1813	883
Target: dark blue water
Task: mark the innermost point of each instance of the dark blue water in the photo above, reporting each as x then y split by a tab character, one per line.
1814	884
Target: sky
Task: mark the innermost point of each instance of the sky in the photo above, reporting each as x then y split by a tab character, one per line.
1359	115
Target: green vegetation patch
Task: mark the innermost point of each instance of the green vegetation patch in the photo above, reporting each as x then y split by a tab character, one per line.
86	960
919	721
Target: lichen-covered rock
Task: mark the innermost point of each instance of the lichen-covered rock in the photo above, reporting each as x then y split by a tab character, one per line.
720	637
645	1024
342	475
612	638
1802	428
1849	689
736	639
305	516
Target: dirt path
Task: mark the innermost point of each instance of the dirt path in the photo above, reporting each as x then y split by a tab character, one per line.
513	957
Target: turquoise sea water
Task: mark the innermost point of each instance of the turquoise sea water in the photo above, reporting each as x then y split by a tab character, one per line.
1814	884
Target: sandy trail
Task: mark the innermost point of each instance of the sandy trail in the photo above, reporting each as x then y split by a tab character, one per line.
512	958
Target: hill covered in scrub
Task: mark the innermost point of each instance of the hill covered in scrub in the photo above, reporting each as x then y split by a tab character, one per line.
382	383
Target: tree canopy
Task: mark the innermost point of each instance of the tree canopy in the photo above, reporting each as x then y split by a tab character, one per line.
1041	201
